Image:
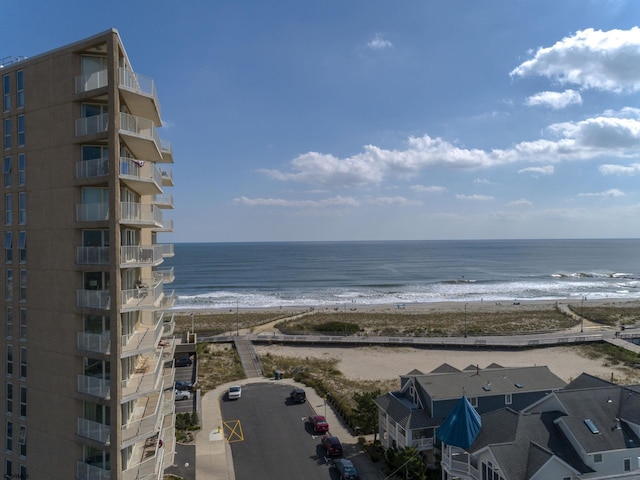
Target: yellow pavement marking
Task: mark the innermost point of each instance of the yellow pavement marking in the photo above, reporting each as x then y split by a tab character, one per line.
233	430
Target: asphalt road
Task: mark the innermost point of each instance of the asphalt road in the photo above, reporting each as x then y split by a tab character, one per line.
269	437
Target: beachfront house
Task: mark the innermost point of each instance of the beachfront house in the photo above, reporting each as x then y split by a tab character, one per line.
411	415
575	433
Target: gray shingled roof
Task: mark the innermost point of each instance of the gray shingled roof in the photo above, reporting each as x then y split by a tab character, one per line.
403	412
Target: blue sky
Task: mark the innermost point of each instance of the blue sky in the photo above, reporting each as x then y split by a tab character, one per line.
376	120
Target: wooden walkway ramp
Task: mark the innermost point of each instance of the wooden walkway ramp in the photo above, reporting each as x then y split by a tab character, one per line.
248	357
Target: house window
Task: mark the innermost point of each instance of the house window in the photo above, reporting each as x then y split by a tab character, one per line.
9	322
22	165
507	399
8	203
23	285
7	133
9	359
6	92
474	402
22	208
597	457
23	324
8	285
20	88
627	464
7	172
9	445
9	397
8	247
23	362
21	134
23	401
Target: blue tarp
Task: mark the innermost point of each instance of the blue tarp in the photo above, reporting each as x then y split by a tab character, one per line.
461	427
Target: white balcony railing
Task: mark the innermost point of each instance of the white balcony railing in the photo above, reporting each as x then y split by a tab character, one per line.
134	255
145	425
94	342
140	214
99	299
145	378
164	200
92	125
146	465
98	387
93	430
92	255
167	177
92	212
144	338
86	471
138	83
145	295
98	167
167	275
92	81
139	169
141	127
167	250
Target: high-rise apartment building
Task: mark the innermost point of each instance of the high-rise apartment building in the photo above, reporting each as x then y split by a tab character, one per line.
87	347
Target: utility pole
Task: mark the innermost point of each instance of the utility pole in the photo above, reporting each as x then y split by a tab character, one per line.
465	320
237	318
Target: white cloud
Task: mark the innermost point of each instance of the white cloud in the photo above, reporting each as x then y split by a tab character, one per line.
279	202
590	59
605	133
428	188
476	198
379	43
555	100
630	170
522	202
392	201
482	181
548	170
614	192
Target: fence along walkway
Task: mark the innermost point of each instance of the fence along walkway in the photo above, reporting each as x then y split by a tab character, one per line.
248	357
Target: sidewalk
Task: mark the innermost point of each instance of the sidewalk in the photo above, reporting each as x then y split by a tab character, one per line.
213	453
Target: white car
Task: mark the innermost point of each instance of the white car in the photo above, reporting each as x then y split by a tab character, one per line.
183	395
235	392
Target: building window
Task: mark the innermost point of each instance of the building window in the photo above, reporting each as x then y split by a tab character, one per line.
22	246
597	458
8	469
22	166
8	247
8	286
9	445
21	134
20	88
508	399
9	321
6	92
8	206
23	362
23	324
7	172
7	133
22	441
627	464
22	208
474	402
9	397
9	359
23	471
23	401
23	285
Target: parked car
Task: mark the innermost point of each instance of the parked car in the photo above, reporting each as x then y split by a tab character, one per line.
298	395
346	470
332	446
183	395
235	392
183	362
318	424
180	385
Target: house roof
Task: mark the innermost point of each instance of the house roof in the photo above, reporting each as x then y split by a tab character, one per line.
488	382
584	380
445	368
402	411
461	426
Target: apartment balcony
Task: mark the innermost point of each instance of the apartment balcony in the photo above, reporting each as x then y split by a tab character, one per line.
140	214
92	81
422	443
94	430
94	386
95	342
92	169
168	301
86	471
92	125
141	136
163	201
99	299
168	324
142	177
132	256
147	295
169	438
167	226
167	275
168	380
146	419
146	460
92	255
139	93
167	250
144	339
145	378
92	212
167	177
167	151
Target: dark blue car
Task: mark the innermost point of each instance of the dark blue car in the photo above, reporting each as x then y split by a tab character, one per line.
345	469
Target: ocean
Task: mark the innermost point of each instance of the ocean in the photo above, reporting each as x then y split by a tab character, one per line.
310	274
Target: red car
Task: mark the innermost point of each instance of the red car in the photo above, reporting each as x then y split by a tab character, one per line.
318	424
332	446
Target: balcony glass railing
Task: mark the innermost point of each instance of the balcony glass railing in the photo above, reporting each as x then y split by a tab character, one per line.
140	214
139	169
165	199
86	471
94	342
93	299
167	249
167	177
92	255
98	167
93	430
141	127
98	387
145	425
92	212
169	300
167	275
92	125
144	338
144	295
92	81
133	255
144	379
138	83
146	465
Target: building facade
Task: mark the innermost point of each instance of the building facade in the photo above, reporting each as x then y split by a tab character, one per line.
88	336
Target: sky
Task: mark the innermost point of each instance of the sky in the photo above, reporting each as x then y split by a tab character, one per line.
380	120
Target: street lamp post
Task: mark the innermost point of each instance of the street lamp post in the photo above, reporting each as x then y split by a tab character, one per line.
237	318
465	320
581	315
